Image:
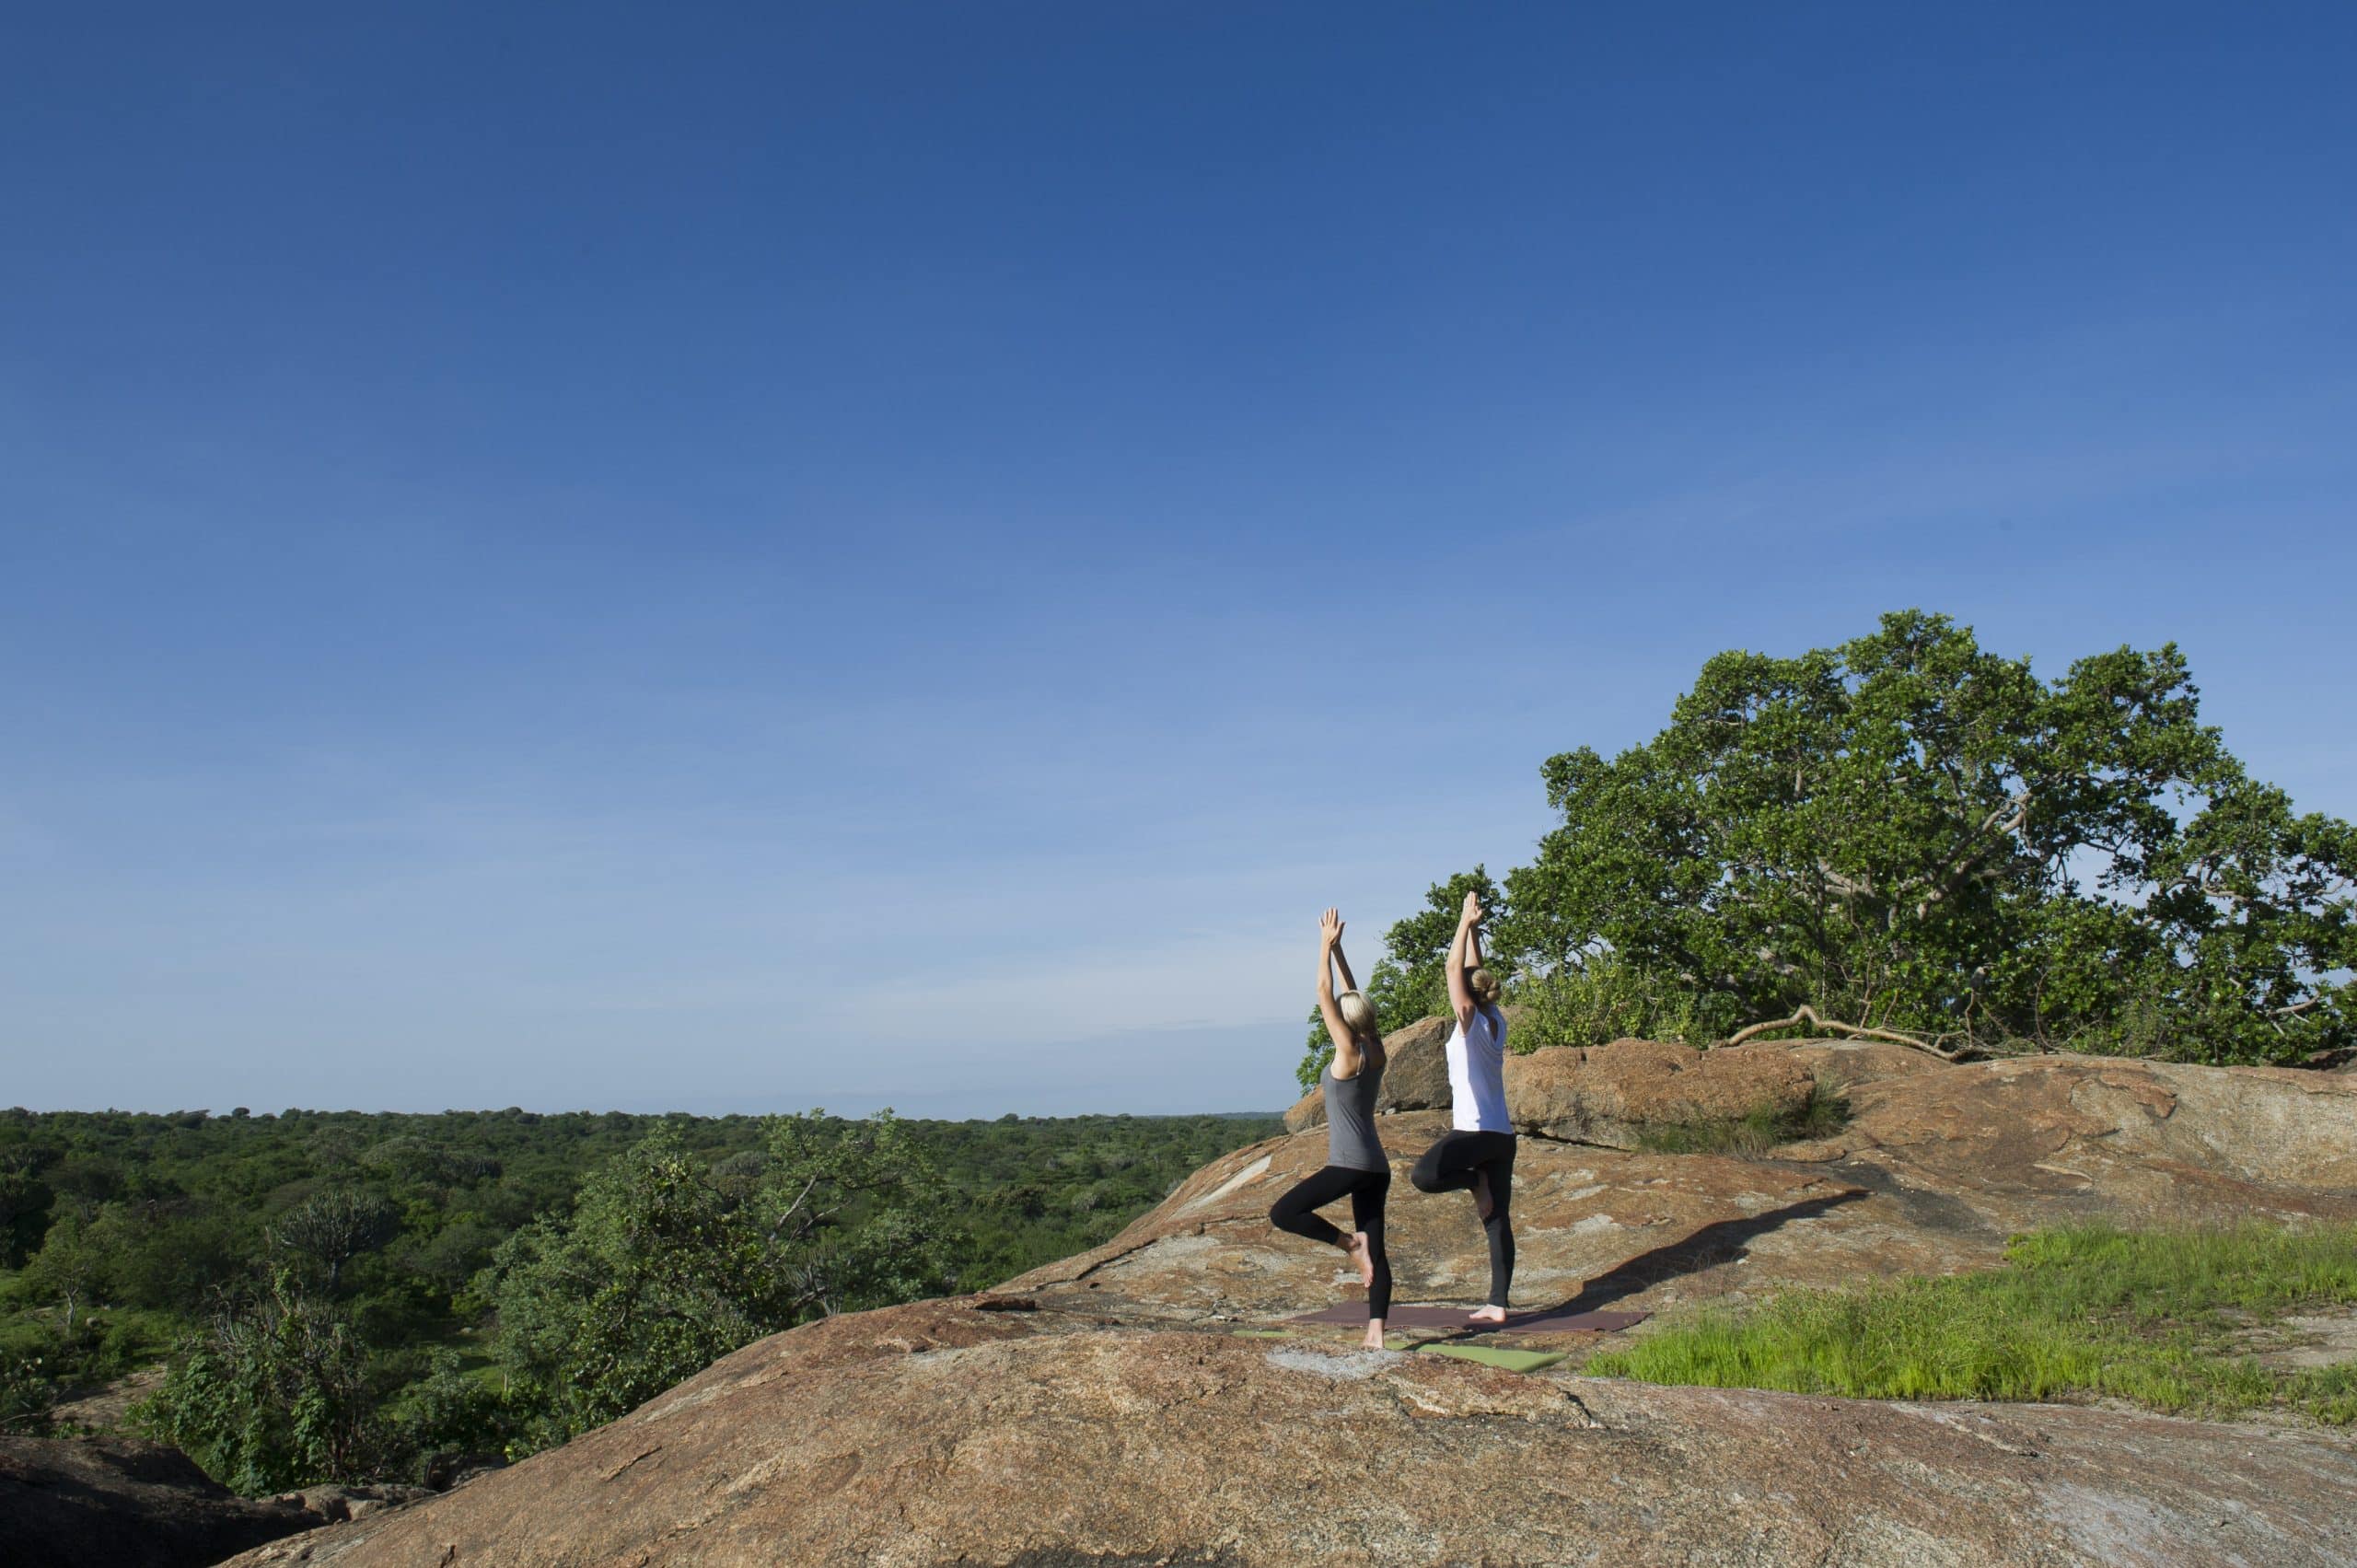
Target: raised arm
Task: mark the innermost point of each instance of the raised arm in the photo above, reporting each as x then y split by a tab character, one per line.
1330	948
1463	954
1349	982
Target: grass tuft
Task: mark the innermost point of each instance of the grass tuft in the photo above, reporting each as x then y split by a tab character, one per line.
1752	1134
2153	1317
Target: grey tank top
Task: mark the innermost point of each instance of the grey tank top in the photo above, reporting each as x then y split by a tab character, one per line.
1350	1141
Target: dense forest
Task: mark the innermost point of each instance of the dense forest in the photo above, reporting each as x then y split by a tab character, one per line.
1909	834
347	1296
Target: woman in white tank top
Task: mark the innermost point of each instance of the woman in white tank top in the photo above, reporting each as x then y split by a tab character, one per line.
1478	1155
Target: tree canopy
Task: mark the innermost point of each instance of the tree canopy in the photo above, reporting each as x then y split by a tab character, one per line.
1909	832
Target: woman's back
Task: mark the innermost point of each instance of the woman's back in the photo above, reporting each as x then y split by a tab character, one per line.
1350	1141
1477	1057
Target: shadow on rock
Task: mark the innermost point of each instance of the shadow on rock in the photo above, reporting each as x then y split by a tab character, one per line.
1719	1242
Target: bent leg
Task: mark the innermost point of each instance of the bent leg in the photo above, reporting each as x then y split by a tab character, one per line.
1448	1164
1295	1211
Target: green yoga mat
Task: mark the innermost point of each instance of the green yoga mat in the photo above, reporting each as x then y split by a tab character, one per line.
1491	1355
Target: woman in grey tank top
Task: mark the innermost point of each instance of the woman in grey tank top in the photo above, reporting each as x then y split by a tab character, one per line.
1356	1166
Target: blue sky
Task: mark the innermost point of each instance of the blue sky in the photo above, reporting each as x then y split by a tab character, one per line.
735	558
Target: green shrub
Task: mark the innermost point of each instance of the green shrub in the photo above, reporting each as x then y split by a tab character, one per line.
449	1413
1604	998
28	1392
273	1395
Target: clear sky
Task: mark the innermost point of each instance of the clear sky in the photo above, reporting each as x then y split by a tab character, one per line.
743	557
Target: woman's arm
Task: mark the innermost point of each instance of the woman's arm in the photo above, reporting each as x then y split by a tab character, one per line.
1460	996
1346	1045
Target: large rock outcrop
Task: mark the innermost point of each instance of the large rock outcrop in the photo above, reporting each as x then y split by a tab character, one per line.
1612	1093
1842	1064
950	1437
2035	1140
1114	1413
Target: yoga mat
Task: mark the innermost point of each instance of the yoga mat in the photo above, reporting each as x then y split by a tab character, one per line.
1553	1320
1494	1355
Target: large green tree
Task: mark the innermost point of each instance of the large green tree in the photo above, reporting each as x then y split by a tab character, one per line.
655	1276
854	1213
72	1266
1909	832
333	1226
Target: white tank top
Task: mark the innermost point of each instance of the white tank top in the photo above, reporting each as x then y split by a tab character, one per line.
1477	1072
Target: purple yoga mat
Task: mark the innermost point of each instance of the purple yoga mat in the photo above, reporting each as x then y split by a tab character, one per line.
1554	1320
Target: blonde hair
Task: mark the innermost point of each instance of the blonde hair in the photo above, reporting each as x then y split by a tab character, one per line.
1483	985
1358	1014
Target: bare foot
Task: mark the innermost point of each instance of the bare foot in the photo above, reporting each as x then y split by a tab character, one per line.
1373	1339
1487	1315
1482	1205
1362	1258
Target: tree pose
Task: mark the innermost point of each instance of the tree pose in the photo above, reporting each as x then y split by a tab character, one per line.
1356	1166
1479	1155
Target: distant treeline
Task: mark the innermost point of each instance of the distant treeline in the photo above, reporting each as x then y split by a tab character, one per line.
343	1295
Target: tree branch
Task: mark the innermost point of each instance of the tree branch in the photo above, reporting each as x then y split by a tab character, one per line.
1994	829
1809	1015
779	1228
1846	886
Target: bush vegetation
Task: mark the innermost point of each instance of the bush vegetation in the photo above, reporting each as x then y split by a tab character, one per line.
2164	1319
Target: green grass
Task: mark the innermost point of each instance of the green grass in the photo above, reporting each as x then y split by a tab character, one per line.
2151	1317
1753	1133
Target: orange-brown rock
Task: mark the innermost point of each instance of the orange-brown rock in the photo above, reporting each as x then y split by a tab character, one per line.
1058	1443
1609	1094
2041	1139
1842	1064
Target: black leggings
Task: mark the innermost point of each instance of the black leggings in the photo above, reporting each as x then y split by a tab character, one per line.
1453	1162
1295	1211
